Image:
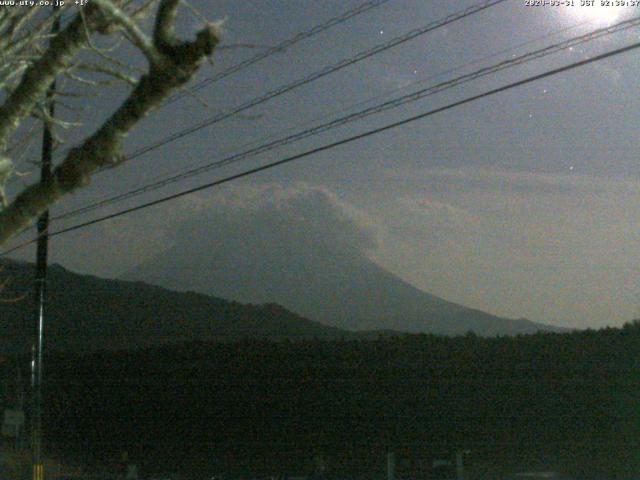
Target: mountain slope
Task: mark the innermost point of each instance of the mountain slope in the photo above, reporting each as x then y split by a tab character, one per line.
340	288
88	313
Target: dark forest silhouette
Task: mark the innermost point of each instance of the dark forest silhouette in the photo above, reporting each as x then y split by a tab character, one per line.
568	402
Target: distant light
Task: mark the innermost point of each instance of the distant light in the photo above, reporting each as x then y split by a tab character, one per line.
602	14
571	167
381	32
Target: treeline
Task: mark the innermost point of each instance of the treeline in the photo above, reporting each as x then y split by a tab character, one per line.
566	402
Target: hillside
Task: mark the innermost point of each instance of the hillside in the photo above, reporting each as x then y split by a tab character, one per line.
89	313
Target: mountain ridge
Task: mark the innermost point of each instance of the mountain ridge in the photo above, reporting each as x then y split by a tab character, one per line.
88	313
341	289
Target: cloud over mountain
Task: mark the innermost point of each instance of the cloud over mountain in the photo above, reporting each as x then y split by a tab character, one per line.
306	250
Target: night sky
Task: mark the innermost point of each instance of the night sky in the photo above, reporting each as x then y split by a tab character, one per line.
522	204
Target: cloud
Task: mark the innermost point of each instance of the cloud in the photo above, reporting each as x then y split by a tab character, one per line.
299	214
270	214
558	248
509	181
554	247
432	213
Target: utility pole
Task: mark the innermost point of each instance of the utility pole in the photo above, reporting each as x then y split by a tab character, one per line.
37	465
391	465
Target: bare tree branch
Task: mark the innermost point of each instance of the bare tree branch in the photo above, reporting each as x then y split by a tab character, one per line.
137	36
36	80
175	61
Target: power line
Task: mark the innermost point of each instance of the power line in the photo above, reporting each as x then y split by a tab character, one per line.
362	8
404	87
317	75
366	6
157	181
332	145
411	97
